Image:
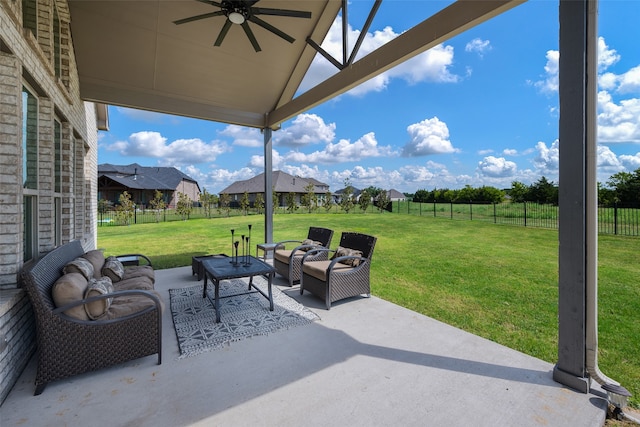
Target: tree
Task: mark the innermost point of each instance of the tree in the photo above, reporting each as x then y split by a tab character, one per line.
259	203
543	191
208	201
276	199
244	203
184	206
347	199
327	203
365	201
124	211
104	205
489	194
157	204
224	203
309	199
421	196
626	187
382	201
292	206
518	192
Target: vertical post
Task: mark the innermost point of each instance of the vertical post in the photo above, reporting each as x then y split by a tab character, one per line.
571	369
268	184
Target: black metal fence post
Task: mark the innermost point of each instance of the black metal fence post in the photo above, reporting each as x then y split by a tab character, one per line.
525	213
615	218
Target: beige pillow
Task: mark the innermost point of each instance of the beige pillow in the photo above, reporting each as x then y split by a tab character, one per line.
310	242
95	287
70	288
96	258
340	251
113	269
79	265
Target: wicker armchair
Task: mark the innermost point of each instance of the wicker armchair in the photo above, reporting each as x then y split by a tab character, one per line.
68	346
288	262
345	275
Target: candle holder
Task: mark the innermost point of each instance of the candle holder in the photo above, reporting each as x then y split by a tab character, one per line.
243	253
235	258
247	260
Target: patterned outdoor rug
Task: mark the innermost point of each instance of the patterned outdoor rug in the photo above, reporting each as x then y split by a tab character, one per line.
242	316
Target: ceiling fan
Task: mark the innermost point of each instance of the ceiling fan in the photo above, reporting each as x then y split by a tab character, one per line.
241	12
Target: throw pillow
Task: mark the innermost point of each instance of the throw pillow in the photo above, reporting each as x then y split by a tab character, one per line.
307	242
70	288
340	251
79	265
113	269
101	286
96	258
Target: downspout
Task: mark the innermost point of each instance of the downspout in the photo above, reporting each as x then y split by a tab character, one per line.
591	202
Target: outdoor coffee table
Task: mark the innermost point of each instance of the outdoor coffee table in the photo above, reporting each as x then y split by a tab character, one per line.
218	269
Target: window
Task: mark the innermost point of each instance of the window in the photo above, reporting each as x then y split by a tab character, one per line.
57	162
57	221
29	139
57	49
30	232
30	16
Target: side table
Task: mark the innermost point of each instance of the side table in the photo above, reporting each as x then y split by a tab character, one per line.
196	264
266	248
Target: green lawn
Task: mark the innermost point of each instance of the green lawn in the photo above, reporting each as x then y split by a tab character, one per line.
496	281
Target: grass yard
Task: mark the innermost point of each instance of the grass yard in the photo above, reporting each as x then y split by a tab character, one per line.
496	281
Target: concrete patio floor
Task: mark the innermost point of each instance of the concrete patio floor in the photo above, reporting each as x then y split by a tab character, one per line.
367	362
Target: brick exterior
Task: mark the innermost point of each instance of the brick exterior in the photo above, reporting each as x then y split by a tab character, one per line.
33	56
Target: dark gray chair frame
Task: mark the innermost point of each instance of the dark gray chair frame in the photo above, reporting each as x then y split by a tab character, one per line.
292	270
342	283
68	346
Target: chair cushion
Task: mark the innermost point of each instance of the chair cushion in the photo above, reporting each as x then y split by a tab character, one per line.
308	242
69	288
130	304
139	271
113	269
283	255
348	252
143	283
96	258
318	269
95	287
79	265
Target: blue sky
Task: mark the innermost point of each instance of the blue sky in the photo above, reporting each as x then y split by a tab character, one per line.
480	109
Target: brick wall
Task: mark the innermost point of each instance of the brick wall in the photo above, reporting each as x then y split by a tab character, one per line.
27	58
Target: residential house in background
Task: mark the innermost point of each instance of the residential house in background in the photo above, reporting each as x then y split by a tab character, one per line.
49	146
283	184
141	182
396	196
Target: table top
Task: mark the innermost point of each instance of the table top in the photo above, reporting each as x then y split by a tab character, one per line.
223	268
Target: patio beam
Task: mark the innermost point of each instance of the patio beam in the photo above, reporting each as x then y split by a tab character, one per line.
449	22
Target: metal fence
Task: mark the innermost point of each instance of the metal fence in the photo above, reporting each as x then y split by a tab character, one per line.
620	220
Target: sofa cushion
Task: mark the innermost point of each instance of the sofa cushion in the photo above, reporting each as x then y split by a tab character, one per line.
139	271
130	304
79	265
340	251
128	283
95	287
318	269
96	258
307	242
113	269
69	288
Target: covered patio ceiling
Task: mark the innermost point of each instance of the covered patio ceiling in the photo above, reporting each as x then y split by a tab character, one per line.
132	54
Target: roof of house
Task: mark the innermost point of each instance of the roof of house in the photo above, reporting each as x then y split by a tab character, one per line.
282	183
139	177
395	194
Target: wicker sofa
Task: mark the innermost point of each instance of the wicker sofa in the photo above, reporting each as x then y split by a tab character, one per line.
83	323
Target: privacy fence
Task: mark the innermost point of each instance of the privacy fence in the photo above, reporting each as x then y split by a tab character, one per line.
620	220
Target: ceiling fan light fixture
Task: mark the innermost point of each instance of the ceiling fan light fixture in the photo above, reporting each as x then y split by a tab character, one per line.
236	17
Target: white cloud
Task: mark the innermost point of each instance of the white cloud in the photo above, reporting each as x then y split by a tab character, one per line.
630	81
550	82
179	152
430	136
631	163
510	152
432	65
548	159
344	151
243	136
478	46
306	129
606	57
618	122
496	167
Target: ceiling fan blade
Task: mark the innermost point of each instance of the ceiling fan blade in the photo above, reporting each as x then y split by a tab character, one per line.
212	3
252	38
198	17
223	32
271	28
281	12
